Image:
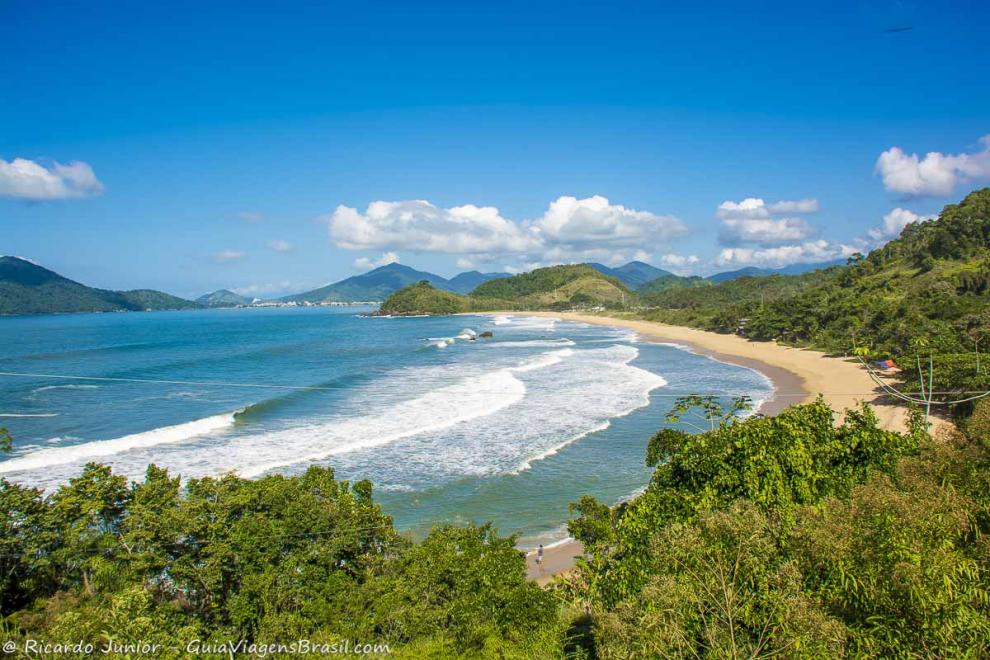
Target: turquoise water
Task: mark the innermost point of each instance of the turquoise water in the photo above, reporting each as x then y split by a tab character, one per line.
508	429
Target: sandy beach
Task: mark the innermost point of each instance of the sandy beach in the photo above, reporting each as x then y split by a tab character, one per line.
798	375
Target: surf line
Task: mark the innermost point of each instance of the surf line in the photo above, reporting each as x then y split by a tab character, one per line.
206	383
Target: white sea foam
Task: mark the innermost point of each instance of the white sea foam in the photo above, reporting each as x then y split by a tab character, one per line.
75	454
72	386
531	343
391	417
575	393
546	323
434	411
28	414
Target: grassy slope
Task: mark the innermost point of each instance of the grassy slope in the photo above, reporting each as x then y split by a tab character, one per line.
540	289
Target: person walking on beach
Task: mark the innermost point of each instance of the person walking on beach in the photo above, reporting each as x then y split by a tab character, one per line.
539	557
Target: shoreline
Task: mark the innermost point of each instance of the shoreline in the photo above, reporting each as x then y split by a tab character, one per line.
798	376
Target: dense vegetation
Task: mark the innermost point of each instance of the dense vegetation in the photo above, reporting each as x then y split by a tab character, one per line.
268	561
26	288
665	282
424	298
546	285
791	536
767	536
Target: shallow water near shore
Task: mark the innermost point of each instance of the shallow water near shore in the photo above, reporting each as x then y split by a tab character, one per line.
448	428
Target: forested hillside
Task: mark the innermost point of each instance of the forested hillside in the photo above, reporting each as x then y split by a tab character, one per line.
555	287
424	298
924	293
27	288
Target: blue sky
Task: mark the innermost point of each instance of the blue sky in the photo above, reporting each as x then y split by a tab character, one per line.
193	146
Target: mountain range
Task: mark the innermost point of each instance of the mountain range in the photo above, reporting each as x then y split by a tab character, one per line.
753	271
380	283
634	274
27	288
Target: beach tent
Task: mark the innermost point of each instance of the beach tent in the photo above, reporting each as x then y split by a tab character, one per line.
886	364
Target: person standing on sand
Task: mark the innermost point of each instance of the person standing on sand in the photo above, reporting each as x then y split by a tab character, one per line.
539	557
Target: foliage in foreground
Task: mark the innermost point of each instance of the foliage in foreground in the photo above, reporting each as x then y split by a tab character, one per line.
783	537
280	558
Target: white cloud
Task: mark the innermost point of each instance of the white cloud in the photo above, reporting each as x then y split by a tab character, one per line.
895	222
280	246
420	226
251	216
756	208
751	207
682	264
465	263
25	179
678	260
228	255
570	229
565	254
936	174
754	221
784	255
764	231
594	221
809	205
366	263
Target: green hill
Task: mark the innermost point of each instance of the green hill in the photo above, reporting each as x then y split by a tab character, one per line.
424	298
222	298
27	288
555	287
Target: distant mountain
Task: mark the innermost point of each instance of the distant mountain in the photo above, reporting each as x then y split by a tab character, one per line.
222	298
469	281
753	271
27	288
376	284
634	274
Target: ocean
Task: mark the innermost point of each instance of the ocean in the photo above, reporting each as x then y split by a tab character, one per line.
508	429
